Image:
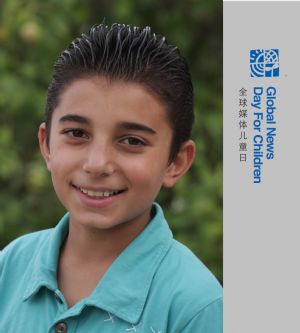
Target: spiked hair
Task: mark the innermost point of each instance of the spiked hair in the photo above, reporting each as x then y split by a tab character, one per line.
131	54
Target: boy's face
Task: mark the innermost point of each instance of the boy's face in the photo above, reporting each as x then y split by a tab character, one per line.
108	152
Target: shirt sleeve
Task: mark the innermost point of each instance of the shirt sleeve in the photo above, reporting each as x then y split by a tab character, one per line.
3	255
1	261
208	320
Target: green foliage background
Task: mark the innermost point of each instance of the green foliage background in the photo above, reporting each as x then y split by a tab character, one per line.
32	34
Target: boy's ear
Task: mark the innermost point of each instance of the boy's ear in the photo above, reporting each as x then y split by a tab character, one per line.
180	164
43	145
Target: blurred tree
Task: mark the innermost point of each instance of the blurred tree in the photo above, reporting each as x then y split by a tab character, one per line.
32	34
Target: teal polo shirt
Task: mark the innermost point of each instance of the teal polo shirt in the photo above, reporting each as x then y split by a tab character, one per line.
156	285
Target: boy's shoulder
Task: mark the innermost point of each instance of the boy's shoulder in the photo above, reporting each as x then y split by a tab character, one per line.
188	277
190	296
175	273
24	247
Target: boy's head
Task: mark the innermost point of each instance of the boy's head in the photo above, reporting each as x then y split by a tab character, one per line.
129	54
118	120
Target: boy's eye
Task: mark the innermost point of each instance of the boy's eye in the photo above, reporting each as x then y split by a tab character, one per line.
133	141
76	133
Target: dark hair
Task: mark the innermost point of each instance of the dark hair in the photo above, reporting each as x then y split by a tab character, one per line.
122	52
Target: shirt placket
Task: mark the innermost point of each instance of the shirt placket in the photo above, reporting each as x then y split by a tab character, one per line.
66	320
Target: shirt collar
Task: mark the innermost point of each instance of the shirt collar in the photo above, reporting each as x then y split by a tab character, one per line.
43	267
124	288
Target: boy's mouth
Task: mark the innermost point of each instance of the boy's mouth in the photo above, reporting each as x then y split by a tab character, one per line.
99	194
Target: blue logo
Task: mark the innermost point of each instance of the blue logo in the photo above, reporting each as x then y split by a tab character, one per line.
264	63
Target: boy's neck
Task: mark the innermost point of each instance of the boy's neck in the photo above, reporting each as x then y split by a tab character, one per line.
91	245
87	254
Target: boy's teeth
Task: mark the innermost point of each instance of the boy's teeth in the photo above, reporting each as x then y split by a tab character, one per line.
96	193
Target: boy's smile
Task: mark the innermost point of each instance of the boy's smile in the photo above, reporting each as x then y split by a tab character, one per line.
108	152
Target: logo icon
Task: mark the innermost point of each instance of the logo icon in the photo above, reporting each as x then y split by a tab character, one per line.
264	63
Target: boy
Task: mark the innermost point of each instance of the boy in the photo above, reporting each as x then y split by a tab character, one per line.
117	127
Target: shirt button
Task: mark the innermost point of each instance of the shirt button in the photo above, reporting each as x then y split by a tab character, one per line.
61	328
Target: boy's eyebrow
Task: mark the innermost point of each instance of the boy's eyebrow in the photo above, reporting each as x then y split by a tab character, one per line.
136	127
124	125
75	118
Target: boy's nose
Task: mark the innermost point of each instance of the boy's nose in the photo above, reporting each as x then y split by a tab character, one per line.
99	161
